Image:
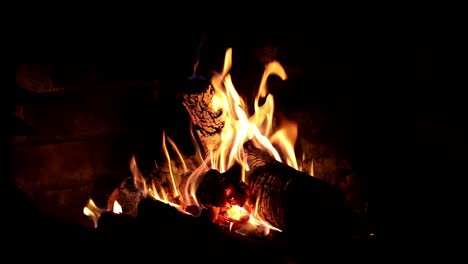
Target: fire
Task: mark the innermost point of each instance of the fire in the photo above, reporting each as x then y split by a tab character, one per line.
117	208
92	211
236	212
239	127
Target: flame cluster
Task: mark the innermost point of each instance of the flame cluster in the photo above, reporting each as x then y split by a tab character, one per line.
239	127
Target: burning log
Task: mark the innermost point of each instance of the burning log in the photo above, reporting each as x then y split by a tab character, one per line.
302	205
220	190
217	189
282	195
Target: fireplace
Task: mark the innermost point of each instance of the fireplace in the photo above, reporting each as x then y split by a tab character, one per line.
94	135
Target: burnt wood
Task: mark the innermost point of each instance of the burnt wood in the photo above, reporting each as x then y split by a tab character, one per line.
304	206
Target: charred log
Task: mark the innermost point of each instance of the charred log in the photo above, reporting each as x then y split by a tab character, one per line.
304	206
211	191
219	189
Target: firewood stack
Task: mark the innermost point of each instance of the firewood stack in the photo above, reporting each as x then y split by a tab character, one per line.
305	208
309	212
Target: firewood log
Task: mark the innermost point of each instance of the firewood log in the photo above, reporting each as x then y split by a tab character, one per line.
302	205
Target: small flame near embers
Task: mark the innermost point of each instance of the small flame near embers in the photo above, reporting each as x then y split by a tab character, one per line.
239	127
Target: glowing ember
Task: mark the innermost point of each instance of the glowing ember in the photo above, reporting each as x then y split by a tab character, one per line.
239	127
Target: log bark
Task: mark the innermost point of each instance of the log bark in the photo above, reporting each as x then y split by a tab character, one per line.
206	122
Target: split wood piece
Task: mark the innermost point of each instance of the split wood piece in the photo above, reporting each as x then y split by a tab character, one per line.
206	122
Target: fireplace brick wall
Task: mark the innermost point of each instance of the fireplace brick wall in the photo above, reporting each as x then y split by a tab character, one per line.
79	141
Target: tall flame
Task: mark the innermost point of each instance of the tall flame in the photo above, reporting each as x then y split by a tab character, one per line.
239	127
